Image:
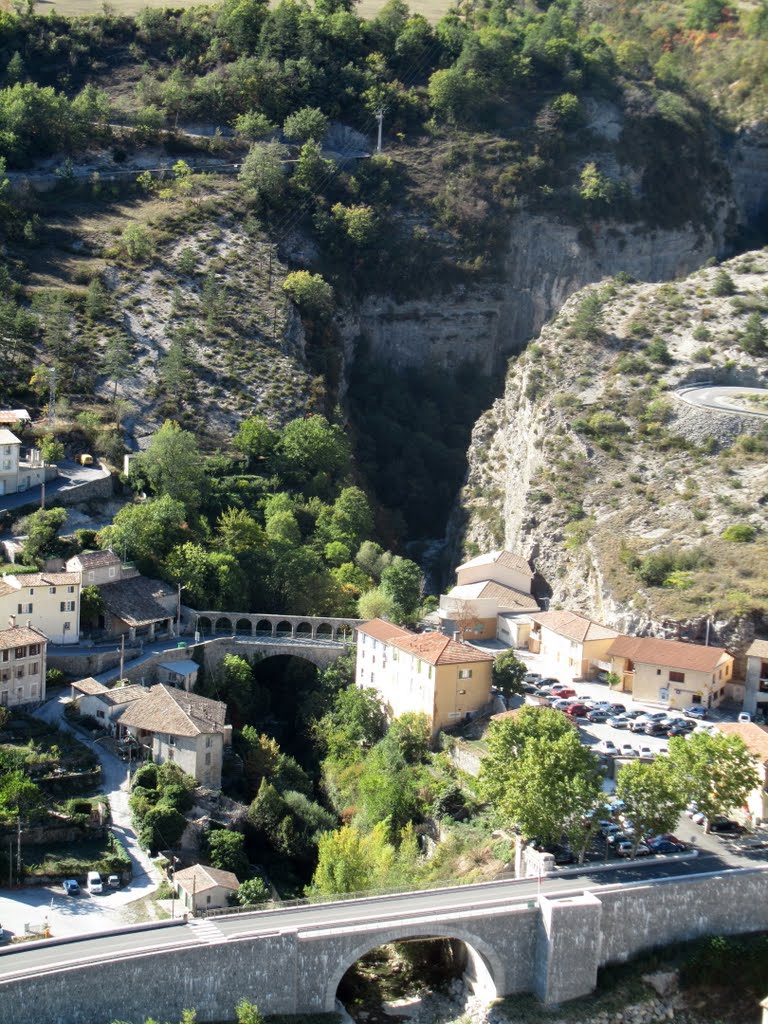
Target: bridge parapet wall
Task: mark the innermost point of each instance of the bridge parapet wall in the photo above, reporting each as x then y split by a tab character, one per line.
314	627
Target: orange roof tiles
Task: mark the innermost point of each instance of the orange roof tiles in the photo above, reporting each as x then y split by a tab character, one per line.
434	648
670	653
755	737
574	626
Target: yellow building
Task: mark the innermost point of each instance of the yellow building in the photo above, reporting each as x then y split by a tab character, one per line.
671	672
572	646
22	666
49	601
422	672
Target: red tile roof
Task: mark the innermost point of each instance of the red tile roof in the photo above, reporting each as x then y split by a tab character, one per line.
434	648
755	737
574	626
669	653
382	630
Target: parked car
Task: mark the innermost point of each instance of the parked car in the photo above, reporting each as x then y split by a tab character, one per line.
695	711
606	747
680	728
627	750
113	881
726	826
95	885
532	677
627	849
529	687
576	710
608	828
548	683
601	676
639	723
645	751
616	838
698	818
561	703
71	888
655	729
662	845
597	716
617	722
618	709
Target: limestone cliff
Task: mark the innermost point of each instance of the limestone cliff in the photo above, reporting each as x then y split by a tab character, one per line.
593	466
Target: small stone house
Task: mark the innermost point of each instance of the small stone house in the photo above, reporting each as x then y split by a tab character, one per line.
670	672
138	607
202	888
105	704
423	672
181	673
173	725
96	567
573	646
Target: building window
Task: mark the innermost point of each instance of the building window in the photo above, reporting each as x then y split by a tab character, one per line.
24	609
20	672
33	668
171	741
21	652
677	677
51	590
70	590
465	673
67	626
207	741
6	656
207	758
99	714
112	571
33	690
34	649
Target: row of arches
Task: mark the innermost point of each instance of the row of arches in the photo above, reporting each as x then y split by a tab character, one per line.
293	628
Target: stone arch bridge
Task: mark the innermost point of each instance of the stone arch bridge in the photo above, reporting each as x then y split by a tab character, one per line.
258	624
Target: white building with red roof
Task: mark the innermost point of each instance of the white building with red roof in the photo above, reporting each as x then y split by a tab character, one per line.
423	672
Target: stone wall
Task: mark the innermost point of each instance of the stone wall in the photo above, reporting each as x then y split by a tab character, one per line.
554	951
88	491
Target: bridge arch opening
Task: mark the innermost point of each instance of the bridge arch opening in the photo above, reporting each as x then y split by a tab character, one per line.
324	631
406	966
204	626
288	689
264	627
283	628
304	630
222	625
243	626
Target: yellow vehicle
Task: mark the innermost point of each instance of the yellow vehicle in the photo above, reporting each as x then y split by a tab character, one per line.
86	460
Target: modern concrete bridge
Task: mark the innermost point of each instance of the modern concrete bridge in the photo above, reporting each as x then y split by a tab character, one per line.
291	960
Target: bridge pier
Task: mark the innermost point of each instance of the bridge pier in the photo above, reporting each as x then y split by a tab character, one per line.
567	947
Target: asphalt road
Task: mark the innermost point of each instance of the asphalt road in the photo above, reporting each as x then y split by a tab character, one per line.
71	475
31	959
711	396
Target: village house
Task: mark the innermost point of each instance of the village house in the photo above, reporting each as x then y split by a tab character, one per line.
492	598
105	704
670	672
756	679
202	888
173	725
133	605
19	470
22	666
755	739
182	673
572	646
49	601
422	672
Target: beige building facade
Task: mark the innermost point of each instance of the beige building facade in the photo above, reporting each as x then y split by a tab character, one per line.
22	666
573	646
755	739
423	672
487	587
756	679
19	469
670	672
49	601
201	888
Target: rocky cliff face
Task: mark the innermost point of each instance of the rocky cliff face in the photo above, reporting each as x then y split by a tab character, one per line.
593	465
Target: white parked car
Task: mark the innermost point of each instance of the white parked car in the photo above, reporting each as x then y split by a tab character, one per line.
627	750
646	751
607	748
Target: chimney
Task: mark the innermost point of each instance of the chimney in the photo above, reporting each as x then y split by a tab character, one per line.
12	621
456	636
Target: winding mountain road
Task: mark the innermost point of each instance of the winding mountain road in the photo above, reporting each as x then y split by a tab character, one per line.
725	399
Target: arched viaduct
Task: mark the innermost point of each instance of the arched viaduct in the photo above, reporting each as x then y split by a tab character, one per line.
306	627
291	960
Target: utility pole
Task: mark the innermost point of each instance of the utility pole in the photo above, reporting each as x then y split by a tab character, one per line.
52	397
10	863
42	490
380	119
122	654
18	848
178	612
269	272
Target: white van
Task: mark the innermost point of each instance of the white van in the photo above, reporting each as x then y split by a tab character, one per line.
94	883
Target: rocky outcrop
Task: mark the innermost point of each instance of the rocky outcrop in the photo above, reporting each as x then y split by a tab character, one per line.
590	462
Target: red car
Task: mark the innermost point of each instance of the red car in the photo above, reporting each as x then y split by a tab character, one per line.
566	692
576	710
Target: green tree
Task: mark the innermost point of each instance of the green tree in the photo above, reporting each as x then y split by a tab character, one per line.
739	533
250	892
311	171
508	672
373	559
51	450
375	604
717	772
350	861
210	578
238	532
253	126
507	739
455	96
173	465
551	789
355	722
754	336
261	756
588	318
705	14
118	362
311	293
248	1013
41	529
147	531
241	21
255	439
348	521
233	684
403	582
161	828
91	605
138	243
18	794
306	125
359	223
389	789
410	734
723	284
14	69
314	446
226	851
652	797
596	187
263	173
